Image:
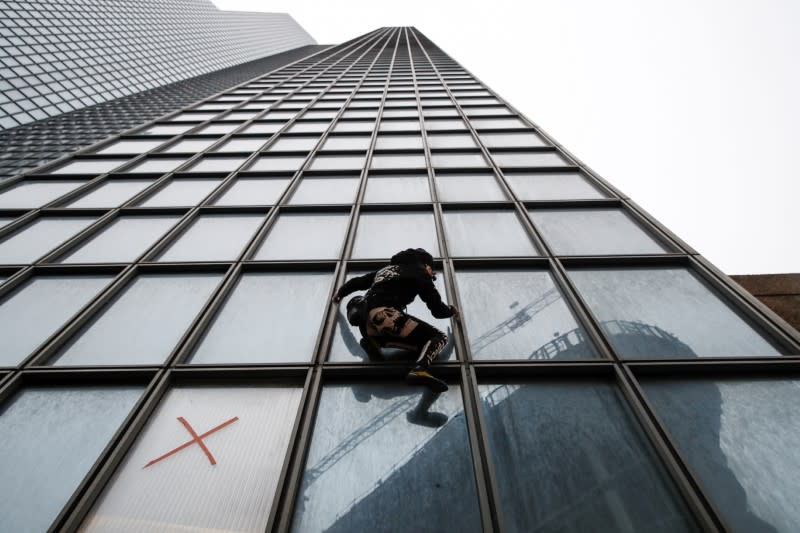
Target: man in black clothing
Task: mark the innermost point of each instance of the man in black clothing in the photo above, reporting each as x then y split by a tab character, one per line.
381	314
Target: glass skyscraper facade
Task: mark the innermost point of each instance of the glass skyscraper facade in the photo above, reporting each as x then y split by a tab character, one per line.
172	360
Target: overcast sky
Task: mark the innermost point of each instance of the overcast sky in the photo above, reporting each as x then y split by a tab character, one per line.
691	108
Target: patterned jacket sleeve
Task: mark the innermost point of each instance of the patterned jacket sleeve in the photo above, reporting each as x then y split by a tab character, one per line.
360	283
433	300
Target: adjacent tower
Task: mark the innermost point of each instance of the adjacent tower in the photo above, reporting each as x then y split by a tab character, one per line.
167	321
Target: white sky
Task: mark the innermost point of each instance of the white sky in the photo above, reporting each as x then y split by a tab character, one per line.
689	107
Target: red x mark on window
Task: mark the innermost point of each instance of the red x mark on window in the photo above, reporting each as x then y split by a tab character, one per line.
195	439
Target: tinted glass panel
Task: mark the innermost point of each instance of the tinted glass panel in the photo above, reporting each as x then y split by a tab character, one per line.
112	193
143	323
399	161
570	457
40	237
381	235
30	194
519	314
497	123
338	162
49	440
125	239
291	144
398	142
323	237
464	140
241	145
468	188
213	238
341	142
253	191
158	165
593	232
530	159
560	186
89	166
512	140
36	309
181	192
445	160
259	321
218	164
278	163
406	453
658	312
185	491
191	146
325	191
486	233
397	189
739	439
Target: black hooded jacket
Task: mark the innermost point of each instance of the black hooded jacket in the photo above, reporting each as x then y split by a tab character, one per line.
396	286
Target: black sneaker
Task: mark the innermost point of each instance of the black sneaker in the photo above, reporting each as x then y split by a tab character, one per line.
372	348
419	376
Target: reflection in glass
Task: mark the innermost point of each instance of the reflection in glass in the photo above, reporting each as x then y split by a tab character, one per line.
569	456
321	237
43	235
185	492
142	324
519	314
740	440
38	307
213	238
270	317
386	457
597	231
381	235
654	312
345	343
31	194
486	233
49	439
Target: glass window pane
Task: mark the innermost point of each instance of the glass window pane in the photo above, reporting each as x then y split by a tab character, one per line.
397	189
398	142
294	144
739	438
241	145
444	124
259	321
37	308
167	129
261	127
90	166
325	191
157	165
486	233
468	188
497	123
553	186
40	237
323	237
528	159
221	128
399	125
49	440
125	239
213	238
347	142
519	314
182	192
308	127
143	324
278	163
655	312
253	191
345	344
458	140
446	160
602	231
185	492
218	164
354	126
374	448
31	194
338	162
190	146
381	235
112	193
512	140
570	457
399	161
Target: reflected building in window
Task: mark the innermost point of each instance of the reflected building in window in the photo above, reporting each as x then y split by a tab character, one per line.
603	375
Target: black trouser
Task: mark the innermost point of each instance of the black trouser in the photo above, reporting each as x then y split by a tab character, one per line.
395	329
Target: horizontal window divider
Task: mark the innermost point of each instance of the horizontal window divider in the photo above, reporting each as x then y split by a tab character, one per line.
289	265
587	203
625	260
511	371
74	212
290	374
507	170
315	208
787	367
15	212
184	267
344	372
264	174
143	211
478	206
396	208
233	210
78	269
465	263
89	375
